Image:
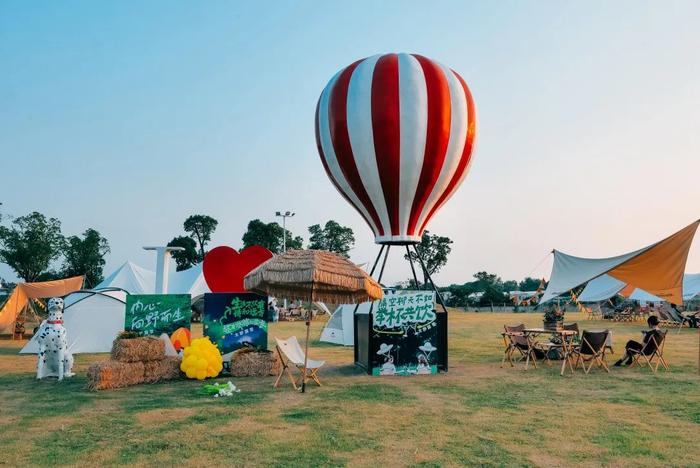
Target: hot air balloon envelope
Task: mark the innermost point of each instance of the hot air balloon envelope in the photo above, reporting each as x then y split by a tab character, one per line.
395	134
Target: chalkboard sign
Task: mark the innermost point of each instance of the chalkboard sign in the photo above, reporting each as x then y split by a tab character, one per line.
233	319
405	339
153	314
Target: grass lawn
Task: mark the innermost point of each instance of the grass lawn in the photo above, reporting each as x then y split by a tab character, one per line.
477	414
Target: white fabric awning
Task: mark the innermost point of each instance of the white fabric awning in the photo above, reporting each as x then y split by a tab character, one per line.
601	289
569	272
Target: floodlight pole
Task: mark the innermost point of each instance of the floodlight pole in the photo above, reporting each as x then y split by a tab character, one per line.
284	215
163	255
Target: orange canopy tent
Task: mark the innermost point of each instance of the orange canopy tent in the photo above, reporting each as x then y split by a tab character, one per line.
24	292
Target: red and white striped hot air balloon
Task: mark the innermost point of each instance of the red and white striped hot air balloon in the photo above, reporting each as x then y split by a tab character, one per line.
395	133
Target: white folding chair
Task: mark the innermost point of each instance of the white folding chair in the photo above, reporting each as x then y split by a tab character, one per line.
290	352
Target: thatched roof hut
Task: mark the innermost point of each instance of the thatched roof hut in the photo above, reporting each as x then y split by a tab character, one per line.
315	275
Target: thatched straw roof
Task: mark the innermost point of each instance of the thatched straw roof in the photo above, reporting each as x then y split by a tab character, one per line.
297	273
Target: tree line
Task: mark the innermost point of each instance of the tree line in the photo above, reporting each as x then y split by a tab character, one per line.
32	243
32	246
486	289
36	249
199	229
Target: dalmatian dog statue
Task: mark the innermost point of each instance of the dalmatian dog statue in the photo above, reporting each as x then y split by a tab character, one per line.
54	358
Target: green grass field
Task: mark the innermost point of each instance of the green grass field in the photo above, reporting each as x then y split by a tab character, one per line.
477	414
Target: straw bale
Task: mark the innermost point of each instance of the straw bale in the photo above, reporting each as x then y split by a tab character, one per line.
147	348
114	374
165	369
257	363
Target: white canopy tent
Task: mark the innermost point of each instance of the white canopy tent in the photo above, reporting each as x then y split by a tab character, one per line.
340	328
656	268
138	280
92	320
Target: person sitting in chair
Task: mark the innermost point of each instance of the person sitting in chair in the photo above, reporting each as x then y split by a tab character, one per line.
655	331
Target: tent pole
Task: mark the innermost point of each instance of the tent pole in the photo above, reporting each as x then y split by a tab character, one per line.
306	342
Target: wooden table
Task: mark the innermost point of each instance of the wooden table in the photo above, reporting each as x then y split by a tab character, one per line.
567	345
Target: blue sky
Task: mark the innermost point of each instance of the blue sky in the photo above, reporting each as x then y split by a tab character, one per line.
129	116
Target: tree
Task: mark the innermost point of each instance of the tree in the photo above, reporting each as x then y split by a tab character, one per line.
485	280
86	256
332	237
31	244
269	235
200	228
187	258
529	284
434	250
510	285
491	286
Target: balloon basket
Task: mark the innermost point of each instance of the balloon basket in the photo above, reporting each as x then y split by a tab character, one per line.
406	332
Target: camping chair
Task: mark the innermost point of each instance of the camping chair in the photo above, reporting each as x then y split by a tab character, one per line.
664	318
571	340
624	315
598	312
290	352
653	353
571	326
18	330
678	319
524	344
592	350
510	346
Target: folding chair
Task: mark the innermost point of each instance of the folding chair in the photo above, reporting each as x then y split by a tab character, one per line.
522	343
653	353
669	320
510	347
591	350
678	319
570	340
290	352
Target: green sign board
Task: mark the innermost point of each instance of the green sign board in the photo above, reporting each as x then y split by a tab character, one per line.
404	334
232	320
153	314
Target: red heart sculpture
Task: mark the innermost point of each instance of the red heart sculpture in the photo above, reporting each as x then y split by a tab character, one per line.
224	268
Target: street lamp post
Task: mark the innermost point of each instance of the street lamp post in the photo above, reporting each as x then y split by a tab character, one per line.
284	215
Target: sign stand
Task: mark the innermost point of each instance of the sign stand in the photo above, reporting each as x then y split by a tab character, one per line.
363	323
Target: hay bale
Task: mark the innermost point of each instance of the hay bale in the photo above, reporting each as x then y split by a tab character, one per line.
166	369
114	374
146	348
258	363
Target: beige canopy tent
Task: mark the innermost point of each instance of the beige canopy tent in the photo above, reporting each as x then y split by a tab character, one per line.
657	268
20	298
